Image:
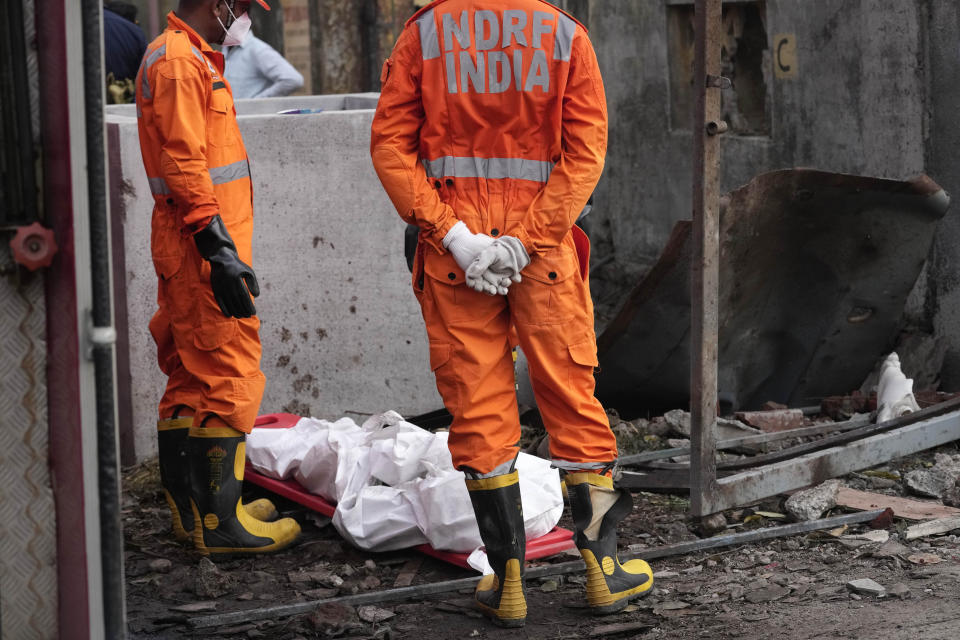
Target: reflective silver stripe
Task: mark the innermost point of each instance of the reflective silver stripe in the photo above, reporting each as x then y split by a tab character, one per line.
502	469
581	466
429	40
218	175
199	56
150	59
147	63
453	30
230	172
489	168
563	42
158	186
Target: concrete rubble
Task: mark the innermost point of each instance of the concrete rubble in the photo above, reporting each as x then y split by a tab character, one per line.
811	504
937	480
679	420
212	582
776	420
866	586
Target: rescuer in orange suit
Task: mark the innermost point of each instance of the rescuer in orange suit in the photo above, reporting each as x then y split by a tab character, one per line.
206	327
490	135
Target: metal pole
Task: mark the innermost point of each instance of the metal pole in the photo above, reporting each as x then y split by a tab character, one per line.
704	275
102	334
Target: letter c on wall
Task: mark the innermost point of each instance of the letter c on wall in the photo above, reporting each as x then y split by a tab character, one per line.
784	55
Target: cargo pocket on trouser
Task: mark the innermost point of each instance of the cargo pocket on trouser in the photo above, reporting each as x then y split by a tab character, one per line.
246	395
583	361
545	295
210	332
447	384
226	362
591	439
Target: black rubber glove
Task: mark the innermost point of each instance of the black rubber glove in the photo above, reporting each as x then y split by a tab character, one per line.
230	278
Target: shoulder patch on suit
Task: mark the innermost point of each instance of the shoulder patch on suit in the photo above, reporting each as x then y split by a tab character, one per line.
178	45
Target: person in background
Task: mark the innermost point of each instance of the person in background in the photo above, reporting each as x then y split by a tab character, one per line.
206	327
126	10
254	69
123	48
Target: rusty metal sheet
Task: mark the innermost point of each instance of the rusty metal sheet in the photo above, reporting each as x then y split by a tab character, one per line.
815	268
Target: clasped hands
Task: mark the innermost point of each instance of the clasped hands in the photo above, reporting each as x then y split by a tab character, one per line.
491	265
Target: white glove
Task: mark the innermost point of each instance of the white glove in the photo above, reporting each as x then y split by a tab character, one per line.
497	266
486	281
465	245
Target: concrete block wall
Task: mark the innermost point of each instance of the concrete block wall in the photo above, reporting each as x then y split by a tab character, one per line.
855	105
341	330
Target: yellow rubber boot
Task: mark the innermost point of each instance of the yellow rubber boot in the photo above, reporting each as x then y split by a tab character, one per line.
597	509
223	526
496	503
175	478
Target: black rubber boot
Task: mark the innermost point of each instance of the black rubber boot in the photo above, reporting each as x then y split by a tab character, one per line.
496	503
217	457
175	477
175	473
597	509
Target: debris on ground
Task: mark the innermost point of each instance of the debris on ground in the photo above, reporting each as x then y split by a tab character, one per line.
747	590
932	528
773	420
906	508
866	586
810	504
936	480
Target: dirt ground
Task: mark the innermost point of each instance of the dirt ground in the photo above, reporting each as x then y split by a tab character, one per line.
792	587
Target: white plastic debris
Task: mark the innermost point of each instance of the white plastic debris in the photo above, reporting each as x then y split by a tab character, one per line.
394	483
894	391
479	561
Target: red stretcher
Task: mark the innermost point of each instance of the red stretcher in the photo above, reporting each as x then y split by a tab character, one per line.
558	540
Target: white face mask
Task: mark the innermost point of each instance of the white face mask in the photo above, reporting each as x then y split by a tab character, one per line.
238	31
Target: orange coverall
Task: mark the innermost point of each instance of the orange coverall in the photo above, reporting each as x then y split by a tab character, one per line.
492	112
197	168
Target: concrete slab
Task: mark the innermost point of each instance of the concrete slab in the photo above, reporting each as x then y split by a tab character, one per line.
265	106
341	329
